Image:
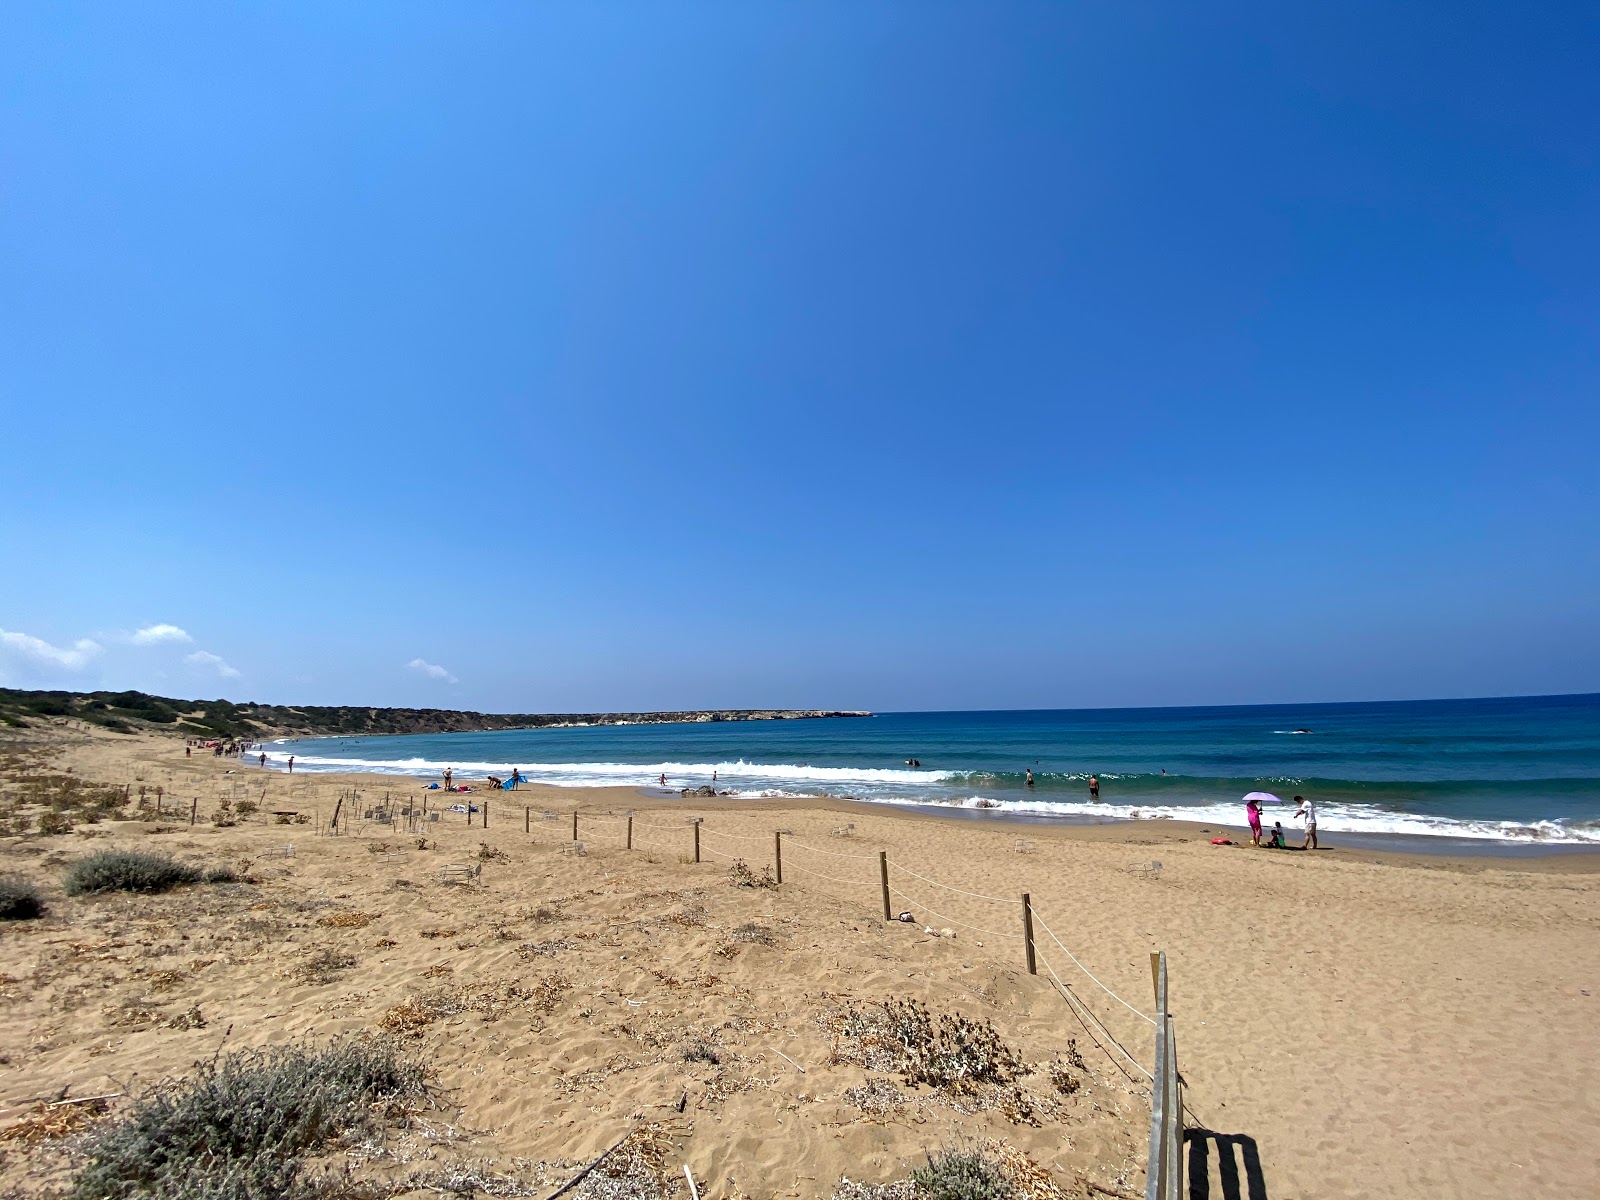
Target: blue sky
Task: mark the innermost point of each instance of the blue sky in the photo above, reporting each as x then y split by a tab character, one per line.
610	356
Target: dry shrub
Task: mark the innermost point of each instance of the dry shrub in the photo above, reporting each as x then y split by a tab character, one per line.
128	871
19	899
384	943
439	972
961	1174
752	932
240	1128
165	980
741	875
437	933
488	853
350	920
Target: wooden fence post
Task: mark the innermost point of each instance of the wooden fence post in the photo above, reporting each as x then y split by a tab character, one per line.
486	814
194	809
527	818
777	852
630	831
334	825
1027	931
697	839
883	871
574	824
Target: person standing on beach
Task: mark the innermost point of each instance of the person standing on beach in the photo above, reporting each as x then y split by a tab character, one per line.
263	760
291	764
1252	813
1308	810
447	776
1094	787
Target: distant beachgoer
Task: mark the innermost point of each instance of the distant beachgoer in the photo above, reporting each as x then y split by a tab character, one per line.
1308	810
713	775
663	780
188	751
1028	776
516	778
447	779
1252	813
1094	787
263	760
291	764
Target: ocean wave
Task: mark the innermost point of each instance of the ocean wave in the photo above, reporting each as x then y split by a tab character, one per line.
609	772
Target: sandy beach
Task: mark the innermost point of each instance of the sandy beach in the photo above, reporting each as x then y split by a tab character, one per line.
1351	1023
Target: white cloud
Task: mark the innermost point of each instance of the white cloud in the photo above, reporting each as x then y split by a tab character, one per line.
204	658
432	670
38	652
154	634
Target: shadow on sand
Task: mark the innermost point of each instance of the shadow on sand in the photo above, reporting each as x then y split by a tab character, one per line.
1225	1165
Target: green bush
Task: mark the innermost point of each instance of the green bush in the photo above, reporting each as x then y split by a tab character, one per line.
128	871
961	1175
19	899
237	1129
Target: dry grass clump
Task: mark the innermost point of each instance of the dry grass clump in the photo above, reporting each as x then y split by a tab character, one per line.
48	1122
442	971
491	999
349	920
19	899
323	966
546	949
877	1097
750	931
639	1169
701	1050
741	875
946	1050
488	853
239	1128
437	933
128	871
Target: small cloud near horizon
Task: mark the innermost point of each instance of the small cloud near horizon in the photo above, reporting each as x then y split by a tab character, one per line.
152	635
215	662
432	670
38	652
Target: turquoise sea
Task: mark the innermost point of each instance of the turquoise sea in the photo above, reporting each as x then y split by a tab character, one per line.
1521	769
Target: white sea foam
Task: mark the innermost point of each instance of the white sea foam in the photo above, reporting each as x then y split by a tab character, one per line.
900	786
1331	818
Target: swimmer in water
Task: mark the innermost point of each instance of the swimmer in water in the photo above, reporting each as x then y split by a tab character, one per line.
1029	776
1094	787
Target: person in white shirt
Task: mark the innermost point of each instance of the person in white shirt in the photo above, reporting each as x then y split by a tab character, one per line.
1308	810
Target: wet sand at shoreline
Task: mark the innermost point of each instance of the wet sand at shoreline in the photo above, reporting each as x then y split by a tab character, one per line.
1375	1022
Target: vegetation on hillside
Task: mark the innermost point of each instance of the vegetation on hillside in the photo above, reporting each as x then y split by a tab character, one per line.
129	712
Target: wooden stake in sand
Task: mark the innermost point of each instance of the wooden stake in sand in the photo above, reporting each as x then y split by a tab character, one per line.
527	819
486	814
697	839
574	824
194	809
883	871
777	852
1027	931
630	831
